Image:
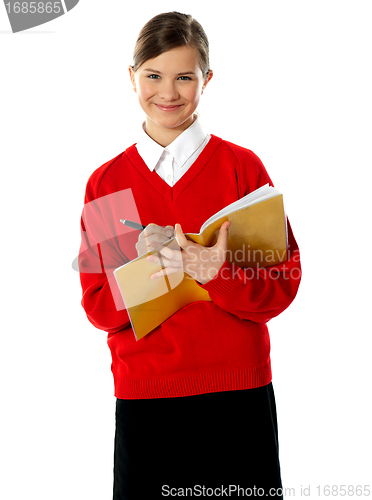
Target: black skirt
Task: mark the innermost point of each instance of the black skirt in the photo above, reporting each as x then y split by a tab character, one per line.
218	441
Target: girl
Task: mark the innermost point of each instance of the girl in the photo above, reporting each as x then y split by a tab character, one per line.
195	405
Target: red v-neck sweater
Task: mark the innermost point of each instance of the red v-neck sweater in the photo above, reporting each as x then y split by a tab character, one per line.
207	346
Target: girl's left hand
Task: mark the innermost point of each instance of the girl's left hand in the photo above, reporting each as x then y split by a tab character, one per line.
201	263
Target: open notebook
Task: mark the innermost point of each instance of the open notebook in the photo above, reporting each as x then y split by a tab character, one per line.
257	238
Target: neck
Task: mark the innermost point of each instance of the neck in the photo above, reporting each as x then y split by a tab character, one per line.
165	136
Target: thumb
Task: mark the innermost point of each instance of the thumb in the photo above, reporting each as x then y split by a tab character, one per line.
223	234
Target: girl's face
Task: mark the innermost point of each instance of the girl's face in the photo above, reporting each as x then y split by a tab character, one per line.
169	88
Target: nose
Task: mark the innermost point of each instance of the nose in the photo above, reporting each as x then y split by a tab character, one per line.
168	91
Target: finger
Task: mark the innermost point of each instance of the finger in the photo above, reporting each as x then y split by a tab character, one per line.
166	251
154	241
164	272
166	231
153	229
169	231
223	235
180	237
148	231
164	261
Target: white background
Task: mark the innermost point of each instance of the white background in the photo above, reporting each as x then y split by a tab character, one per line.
292	81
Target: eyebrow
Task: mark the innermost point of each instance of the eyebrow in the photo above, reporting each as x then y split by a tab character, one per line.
160	73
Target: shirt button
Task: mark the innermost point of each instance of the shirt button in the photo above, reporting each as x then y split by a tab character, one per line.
168	177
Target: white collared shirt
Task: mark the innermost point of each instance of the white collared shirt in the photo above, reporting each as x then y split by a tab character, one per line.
174	160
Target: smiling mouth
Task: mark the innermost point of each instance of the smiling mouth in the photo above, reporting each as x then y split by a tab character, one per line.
168	108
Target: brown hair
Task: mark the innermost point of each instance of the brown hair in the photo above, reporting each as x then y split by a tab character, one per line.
167	31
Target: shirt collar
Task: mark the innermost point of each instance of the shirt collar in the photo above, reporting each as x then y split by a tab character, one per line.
181	148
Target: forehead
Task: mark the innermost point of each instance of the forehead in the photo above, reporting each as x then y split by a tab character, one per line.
174	60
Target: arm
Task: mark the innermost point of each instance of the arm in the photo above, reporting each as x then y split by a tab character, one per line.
104	247
257	294
101	299
266	293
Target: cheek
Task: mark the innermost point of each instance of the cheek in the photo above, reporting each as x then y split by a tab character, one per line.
145	92
192	94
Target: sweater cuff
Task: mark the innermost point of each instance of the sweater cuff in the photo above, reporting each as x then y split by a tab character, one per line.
224	280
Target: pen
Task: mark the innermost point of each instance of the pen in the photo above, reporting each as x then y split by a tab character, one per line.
132	224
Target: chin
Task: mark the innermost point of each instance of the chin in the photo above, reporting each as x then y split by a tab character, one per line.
168	120
169	124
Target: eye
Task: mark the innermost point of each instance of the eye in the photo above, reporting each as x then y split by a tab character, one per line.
157	76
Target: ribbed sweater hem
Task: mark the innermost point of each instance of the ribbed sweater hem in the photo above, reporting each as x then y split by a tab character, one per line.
231	380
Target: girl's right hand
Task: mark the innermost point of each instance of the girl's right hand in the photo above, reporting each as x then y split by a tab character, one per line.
153	232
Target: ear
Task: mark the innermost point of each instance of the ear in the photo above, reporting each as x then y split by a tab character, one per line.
210	74
132	77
